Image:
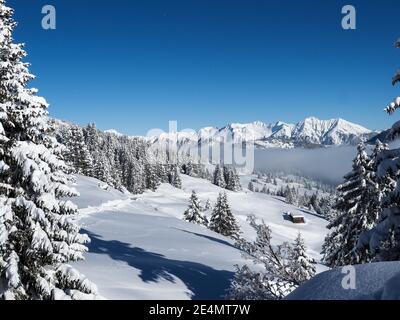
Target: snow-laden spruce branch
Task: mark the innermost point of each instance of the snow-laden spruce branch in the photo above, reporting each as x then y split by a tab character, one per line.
285	267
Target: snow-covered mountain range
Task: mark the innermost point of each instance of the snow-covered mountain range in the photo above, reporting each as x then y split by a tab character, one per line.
311	132
308	133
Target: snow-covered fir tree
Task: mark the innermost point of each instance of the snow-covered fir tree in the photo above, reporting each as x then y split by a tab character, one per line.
222	220
218	177
91	135
325	206
251	186
302	266
153	180
174	177
232	179
102	170
291	195
358	213
384	239
193	212
205	173
265	189
207	206
386	182
190	168
38	235
226	177
77	154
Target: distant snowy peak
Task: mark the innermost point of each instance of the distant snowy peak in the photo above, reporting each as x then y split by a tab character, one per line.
329	132
310	132
113	131
242	132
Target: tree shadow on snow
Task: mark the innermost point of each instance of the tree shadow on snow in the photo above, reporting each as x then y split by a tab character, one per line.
220	241
205	282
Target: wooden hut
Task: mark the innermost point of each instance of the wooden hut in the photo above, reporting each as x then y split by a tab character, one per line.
297	218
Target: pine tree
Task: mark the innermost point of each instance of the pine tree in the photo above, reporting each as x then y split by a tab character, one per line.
204	173
191	169
152	178
384	239
285	267
219	179
290	195
358	214
248	285
193	213
101	170
207	206
302	266
326	208
265	189
38	236
386	182
223	220
92	137
232	179
137	184
163	172
251	186
174	177
77	153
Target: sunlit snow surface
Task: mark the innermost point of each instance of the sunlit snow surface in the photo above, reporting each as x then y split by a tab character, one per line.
141	249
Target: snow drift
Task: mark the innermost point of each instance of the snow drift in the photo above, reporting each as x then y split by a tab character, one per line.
375	281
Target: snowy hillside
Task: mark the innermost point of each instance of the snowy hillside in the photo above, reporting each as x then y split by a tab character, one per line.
141	249
309	132
375	281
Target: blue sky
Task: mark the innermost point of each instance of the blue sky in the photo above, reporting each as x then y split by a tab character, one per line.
134	65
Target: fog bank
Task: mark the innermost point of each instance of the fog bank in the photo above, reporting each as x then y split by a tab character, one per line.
326	164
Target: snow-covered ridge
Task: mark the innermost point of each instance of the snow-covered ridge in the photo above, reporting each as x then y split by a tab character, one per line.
310	132
307	133
113	131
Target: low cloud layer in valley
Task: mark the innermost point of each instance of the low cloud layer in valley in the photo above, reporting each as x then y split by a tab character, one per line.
326	164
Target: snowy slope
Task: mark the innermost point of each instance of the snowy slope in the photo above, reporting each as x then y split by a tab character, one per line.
309	132
141	249
375	281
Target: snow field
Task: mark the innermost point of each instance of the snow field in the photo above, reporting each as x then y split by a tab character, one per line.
142	249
